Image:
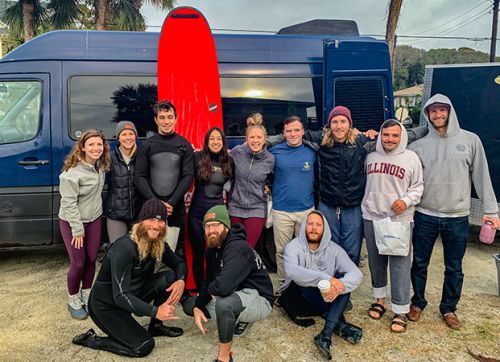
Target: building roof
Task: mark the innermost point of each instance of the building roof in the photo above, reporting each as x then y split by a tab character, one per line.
416	90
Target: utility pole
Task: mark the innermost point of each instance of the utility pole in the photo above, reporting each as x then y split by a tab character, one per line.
494	28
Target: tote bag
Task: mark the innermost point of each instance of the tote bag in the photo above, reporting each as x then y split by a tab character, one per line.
392	237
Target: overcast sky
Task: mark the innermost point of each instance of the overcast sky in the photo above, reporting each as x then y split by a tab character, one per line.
462	18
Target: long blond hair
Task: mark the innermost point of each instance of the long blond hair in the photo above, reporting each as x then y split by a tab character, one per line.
329	140
76	155
146	247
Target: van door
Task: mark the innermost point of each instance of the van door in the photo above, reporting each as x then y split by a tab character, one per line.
25	160
357	75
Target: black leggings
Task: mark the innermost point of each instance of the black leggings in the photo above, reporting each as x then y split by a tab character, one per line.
126	337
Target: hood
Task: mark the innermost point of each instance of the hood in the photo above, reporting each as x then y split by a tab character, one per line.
453	126
402	144
237	232
325	240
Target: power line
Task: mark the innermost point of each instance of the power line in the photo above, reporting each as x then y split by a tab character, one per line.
455	18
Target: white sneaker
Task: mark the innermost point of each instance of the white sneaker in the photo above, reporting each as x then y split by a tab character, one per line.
75	307
85	294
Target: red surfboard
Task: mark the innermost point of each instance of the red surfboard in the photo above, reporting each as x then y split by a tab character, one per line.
188	76
188	73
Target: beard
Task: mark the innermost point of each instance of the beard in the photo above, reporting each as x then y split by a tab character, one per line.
215	240
313	238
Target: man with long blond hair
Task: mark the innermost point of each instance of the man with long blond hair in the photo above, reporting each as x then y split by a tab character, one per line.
127	283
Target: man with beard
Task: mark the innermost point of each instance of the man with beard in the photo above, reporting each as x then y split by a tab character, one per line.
127	283
237	287
309	259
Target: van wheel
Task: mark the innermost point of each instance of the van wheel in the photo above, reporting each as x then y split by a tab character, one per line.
267	250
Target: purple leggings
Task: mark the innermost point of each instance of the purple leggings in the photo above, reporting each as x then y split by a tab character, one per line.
82	261
253	227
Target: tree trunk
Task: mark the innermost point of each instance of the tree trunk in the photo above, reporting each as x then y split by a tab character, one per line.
101	14
29	27
390	32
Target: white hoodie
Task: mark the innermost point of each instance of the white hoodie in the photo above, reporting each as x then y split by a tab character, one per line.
391	176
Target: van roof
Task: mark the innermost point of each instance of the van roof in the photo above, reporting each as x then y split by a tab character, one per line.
143	46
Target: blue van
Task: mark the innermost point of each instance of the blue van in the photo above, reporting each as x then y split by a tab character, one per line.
61	83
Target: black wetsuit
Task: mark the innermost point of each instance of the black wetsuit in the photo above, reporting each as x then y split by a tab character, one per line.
164	169
126	285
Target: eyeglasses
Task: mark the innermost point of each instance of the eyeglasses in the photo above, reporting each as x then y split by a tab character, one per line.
214	225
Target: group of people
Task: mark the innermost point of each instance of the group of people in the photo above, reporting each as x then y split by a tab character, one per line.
420	178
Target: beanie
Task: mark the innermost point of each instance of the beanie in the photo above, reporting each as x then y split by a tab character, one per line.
340	111
123	125
153	209
218	213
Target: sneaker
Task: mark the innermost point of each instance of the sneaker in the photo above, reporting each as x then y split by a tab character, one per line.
84	296
348	332
157	330
348	307
241	328
84	338
75	307
323	346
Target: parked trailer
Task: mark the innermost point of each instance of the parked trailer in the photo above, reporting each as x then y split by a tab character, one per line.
57	85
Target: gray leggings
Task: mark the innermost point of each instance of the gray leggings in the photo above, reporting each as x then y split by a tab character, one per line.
399	269
245	305
116	229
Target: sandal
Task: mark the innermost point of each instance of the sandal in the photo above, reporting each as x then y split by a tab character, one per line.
399	320
377	308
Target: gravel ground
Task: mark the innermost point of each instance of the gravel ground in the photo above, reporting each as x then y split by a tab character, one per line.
35	324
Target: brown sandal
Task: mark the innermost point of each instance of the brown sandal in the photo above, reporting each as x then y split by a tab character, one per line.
377	308
399	320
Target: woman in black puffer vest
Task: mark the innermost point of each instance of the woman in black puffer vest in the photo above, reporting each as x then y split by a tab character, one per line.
122	203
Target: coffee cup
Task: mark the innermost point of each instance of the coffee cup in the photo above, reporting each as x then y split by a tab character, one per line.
324	288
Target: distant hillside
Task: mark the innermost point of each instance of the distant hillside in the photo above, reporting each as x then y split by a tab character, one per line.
410	62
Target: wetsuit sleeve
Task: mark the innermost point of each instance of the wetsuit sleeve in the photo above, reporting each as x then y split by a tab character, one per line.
122	262
416	133
174	262
187	176
314	137
142	173
236	267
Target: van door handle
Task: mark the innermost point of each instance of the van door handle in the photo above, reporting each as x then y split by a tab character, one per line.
33	163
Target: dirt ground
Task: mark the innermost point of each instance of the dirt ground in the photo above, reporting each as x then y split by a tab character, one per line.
35	324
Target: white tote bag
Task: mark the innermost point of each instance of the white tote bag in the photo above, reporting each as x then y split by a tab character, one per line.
392	237
269	213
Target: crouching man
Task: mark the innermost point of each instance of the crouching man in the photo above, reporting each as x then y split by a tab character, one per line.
237	289
127	283
310	258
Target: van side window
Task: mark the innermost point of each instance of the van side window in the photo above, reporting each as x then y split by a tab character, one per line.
101	101
19	110
274	98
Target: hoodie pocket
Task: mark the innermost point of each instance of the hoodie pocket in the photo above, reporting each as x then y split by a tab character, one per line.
378	204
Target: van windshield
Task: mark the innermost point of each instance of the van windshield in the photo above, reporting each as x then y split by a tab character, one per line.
19	110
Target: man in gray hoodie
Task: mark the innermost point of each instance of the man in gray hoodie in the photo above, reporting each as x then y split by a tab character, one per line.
309	259
451	158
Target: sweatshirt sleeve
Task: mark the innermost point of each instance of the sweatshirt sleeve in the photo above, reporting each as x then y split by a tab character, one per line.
142	173
122	262
351	275
187	176
69	189
299	274
236	267
314	137
481	179
416	187
416	133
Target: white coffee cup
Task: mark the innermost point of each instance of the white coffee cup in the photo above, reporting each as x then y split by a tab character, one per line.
324	288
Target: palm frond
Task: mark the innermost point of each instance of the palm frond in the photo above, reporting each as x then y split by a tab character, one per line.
13	18
162	4
63	13
126	16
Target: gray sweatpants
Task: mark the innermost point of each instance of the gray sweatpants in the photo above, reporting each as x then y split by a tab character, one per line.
244	305
399	270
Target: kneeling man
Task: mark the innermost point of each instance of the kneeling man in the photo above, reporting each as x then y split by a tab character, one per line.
237	287
309	259
127	283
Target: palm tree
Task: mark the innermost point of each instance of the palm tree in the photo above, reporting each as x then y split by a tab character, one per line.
394	8
26	17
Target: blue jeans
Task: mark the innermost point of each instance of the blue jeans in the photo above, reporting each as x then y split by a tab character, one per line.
454	233
346	228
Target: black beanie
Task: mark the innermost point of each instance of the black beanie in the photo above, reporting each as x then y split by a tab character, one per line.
153	209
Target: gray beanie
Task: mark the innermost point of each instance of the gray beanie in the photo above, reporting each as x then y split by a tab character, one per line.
123	125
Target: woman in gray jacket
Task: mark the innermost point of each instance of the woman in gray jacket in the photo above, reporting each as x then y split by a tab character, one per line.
254	166
81	184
